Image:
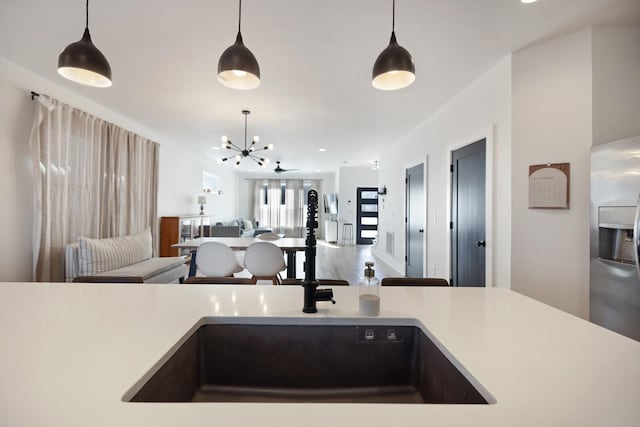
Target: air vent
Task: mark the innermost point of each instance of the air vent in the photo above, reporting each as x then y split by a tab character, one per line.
391	237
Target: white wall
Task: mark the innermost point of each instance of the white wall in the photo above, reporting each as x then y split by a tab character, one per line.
481	110
552	121
616	83
16	182
181	183
349	179
180	168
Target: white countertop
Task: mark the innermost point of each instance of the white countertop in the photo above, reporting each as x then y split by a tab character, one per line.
69	352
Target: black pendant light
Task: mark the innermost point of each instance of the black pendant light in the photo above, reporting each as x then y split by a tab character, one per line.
394	68
83	63
237	67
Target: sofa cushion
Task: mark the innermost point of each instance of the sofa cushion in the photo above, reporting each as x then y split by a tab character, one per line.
98	255
150	268
224	231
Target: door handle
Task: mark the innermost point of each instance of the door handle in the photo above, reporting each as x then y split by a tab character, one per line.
636	237
421	230
481	243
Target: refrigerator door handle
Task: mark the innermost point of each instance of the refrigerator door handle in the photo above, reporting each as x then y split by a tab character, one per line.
636	237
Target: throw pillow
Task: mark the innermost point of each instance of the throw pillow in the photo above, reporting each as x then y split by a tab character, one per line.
98	255
248	225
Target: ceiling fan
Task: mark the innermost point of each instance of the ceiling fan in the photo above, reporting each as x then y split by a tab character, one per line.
278	169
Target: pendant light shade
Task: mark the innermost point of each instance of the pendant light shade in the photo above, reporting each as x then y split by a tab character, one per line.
83	63
394	68
237	66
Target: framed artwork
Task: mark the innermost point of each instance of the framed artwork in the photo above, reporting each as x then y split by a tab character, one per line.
549	186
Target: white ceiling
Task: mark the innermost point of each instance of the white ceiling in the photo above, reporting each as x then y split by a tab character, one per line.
315	59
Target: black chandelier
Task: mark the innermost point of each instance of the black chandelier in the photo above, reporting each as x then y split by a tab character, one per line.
246	151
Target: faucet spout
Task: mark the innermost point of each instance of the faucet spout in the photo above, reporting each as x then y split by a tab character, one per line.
311	292
324	295
312	295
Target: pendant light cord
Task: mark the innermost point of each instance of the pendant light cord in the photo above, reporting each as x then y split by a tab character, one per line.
239	15
87	14
245	131
393	17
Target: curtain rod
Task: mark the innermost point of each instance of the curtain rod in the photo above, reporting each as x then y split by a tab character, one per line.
46	102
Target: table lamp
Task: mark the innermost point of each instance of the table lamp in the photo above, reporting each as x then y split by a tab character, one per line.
202	200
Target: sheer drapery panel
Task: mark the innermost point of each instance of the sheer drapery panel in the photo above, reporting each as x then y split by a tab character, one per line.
281	204
91	179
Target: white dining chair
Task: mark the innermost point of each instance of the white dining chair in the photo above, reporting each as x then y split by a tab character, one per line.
264	261
215	259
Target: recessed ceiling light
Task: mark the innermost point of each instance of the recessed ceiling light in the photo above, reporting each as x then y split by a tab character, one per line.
317	170
528	1
215	148
322	149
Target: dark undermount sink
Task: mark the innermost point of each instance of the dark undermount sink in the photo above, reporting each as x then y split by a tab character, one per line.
306	363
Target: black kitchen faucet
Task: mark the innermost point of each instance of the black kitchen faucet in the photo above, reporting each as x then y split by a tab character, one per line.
311	292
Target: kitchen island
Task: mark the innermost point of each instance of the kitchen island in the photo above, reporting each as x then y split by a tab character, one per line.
70	352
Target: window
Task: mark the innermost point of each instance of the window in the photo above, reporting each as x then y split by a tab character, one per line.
282	204
211	183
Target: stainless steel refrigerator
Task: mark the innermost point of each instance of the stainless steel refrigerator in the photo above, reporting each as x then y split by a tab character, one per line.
615	242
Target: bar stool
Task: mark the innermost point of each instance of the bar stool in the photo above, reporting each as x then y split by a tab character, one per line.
347	233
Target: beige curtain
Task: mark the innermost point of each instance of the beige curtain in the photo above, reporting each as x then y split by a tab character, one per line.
293	211
288	218
91	179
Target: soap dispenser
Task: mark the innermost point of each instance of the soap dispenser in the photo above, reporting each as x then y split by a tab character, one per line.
369	292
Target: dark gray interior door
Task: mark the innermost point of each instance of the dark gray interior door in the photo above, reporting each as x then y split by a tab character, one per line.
415	221
468	240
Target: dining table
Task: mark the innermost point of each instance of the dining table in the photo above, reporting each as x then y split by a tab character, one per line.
289	246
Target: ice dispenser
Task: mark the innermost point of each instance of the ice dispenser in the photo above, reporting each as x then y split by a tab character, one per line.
615	230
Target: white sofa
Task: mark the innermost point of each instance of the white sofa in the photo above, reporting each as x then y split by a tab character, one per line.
122	256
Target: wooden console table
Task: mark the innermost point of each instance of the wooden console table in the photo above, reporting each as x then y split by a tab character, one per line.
178	229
